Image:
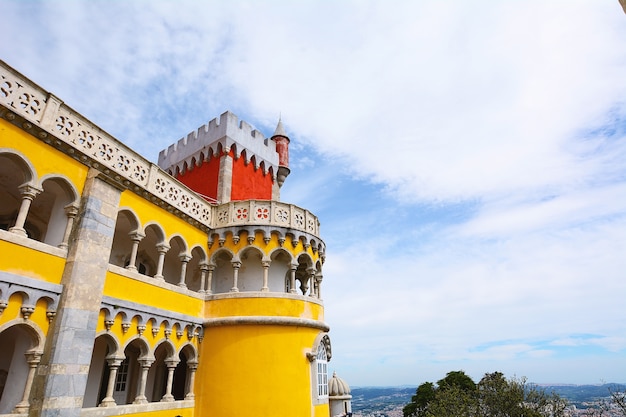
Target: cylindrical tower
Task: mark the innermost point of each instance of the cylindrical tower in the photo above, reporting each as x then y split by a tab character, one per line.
265	348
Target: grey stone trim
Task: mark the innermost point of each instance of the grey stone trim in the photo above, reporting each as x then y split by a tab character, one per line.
321	339
267	320
32	244
129	309
225	131
307	239
261	294
135	408
34	289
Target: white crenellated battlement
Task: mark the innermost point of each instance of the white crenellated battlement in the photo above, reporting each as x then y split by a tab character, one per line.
225	133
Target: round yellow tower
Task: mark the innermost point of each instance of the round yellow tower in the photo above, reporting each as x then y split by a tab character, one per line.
265	347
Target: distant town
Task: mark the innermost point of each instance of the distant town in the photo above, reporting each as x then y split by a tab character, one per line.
583	400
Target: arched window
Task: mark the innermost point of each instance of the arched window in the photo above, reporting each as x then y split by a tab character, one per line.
322	372
319	356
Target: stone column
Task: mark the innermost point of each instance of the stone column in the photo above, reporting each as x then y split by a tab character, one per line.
162	248
61	380
114	365
143	377
136	237
318	280
236	266
292	279
184	259
171	367
225	177
204	268
209	283
266	273
29	192
33	359
70	211
192	366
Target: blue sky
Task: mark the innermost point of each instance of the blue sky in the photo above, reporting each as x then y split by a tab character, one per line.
467	159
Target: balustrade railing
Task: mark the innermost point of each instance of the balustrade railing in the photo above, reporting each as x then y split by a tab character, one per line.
59	122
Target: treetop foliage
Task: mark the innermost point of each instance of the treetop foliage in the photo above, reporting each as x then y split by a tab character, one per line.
457	395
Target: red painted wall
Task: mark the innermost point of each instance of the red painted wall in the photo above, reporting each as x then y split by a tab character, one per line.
249	184
203	179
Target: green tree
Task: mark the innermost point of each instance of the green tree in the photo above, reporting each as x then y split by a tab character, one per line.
424	394
457	395
453	401
451	396
457	379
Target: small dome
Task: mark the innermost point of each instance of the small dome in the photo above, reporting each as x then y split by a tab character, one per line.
337	387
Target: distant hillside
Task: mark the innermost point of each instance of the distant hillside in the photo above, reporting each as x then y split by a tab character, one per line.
580	394
369	399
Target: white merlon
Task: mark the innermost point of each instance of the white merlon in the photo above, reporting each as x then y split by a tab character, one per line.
226	133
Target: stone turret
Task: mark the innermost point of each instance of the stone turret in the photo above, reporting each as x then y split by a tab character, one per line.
339	396
282	147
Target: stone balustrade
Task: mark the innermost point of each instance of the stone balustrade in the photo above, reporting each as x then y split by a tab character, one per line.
52	121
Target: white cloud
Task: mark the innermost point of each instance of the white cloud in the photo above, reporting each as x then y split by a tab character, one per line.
494	134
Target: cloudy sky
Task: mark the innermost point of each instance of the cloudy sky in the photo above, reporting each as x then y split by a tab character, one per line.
467	159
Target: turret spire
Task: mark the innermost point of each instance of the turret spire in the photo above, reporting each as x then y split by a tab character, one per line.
282	147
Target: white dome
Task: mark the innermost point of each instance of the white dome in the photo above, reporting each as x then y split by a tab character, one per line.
337	387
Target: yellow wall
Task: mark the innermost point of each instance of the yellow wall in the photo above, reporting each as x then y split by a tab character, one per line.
44	158
129	289
243	305
255	370
31	263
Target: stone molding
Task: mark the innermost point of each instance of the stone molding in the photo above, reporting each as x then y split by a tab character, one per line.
121	410
32	290
267	320
115	306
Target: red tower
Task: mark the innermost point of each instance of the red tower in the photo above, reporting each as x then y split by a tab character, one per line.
227	160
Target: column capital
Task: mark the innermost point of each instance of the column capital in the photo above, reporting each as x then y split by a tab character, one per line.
29	191
171	363
71	210
145	362
136	235
162	247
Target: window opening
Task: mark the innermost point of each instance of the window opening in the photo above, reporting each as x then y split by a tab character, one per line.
322	372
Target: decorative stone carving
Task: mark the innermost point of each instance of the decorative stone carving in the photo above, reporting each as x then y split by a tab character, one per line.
27	311
108	323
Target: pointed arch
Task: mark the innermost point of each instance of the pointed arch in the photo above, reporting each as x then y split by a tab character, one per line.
48	210
280	270
223	272
147	254
105	348
16	175
198	260
172	266
20	342
251	271
127	227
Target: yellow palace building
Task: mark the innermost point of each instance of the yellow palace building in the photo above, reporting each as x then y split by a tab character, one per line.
129	288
